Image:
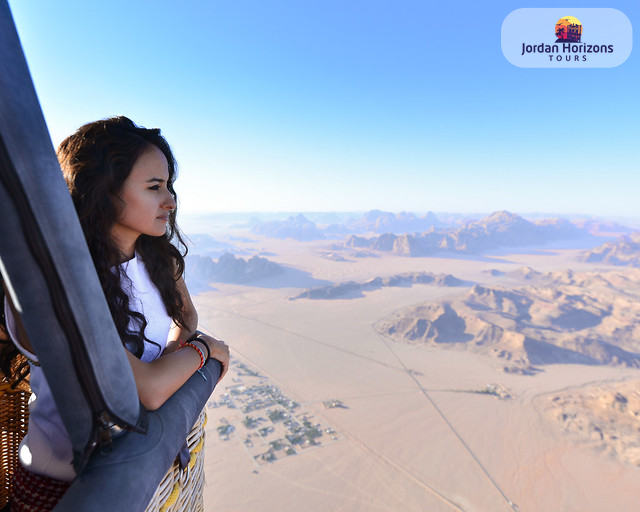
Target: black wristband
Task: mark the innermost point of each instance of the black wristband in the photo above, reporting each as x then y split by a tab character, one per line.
196	337
206	345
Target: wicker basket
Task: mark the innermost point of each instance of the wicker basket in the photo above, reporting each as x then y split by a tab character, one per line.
182	490
179	490
14	419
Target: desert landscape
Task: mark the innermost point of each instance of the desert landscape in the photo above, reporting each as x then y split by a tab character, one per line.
482	364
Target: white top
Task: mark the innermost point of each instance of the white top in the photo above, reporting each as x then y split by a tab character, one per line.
46	449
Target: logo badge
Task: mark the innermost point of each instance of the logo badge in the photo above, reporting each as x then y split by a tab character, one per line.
527	40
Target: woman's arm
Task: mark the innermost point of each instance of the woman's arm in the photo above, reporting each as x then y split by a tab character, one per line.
158	380
218	350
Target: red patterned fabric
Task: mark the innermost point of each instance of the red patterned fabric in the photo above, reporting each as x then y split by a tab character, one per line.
35	493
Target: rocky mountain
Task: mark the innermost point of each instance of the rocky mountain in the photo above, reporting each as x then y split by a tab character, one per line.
297	228
567	317
625	251
377	221
598	226
353	288
500	229
229	269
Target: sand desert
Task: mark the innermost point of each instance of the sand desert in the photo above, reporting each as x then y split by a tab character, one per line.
327	408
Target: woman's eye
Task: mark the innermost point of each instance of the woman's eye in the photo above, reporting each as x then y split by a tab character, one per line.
155	187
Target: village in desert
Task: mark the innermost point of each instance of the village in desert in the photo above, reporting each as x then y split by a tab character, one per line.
421	362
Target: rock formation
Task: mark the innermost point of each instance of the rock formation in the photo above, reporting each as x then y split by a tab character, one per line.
340	290
297	228
625	251
567	317
603	415
229	269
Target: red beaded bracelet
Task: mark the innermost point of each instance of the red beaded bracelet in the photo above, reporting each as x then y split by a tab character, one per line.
200	352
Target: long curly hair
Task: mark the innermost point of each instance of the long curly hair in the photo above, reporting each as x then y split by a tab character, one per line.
96	160
14	367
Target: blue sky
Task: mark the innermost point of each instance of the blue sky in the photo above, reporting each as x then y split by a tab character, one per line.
343	105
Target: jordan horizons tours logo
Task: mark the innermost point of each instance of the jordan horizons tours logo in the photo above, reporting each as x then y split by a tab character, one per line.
569	32
531	39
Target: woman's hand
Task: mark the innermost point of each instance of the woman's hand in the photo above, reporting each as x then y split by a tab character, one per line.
219	351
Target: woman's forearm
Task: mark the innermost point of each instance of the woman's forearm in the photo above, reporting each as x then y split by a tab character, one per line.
159	379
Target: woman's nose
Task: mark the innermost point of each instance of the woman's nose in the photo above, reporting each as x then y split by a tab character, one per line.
169	203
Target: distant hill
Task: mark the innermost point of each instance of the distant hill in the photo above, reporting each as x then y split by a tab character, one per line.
567	317
355	289
297	228
598	226
526	273
229	269
206	245
377	221
625	251
500	229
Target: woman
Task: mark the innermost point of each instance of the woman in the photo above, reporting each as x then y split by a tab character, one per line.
121	179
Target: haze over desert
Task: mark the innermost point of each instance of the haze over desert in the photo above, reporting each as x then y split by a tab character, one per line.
512	387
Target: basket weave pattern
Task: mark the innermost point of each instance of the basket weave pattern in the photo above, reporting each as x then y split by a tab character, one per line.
14	419
182	491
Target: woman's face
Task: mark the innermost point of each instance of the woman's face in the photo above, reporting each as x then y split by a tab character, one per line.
145	201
